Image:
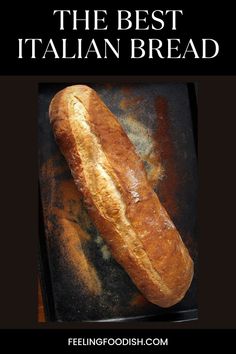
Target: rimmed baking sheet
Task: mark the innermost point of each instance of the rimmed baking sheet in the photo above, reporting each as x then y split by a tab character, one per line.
81	281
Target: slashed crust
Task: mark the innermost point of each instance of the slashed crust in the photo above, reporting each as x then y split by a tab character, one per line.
120	201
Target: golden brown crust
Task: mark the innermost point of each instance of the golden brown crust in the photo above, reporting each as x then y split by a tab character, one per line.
120	200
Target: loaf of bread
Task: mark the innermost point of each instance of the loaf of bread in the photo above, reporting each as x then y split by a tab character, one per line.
120	201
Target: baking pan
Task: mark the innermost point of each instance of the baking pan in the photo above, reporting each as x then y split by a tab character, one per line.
80	279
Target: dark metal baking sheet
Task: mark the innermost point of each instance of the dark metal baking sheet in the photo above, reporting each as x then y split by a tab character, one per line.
81	281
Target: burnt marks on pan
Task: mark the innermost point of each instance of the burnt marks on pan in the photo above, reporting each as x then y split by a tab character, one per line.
165	152
131	102
176	188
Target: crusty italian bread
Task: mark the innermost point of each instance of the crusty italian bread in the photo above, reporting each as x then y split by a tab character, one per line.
120	201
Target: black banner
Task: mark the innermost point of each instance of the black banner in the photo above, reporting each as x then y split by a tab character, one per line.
82	340
48	39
